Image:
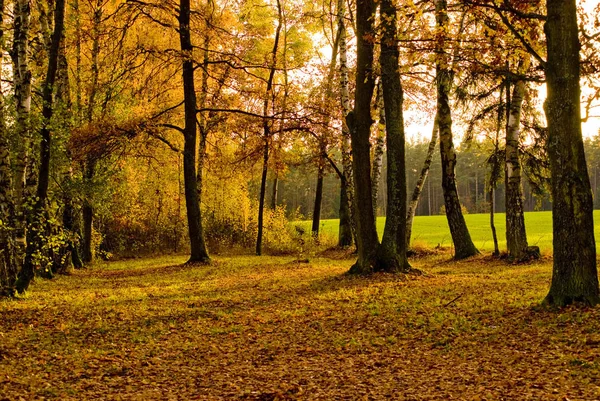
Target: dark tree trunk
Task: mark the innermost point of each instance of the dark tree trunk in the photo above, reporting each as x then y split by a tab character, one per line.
316	222
574	275
392	255
345	237
463	244
69	225
416	195
8	250
359	123
198	251
492	223
274	193
35	235
516	237
261	196
267	128
87	212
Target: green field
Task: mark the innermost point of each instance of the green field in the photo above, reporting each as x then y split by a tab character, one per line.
430	231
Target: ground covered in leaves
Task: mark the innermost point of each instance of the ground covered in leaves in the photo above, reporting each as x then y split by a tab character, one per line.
272	328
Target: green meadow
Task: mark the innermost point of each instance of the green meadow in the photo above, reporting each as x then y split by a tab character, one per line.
431	231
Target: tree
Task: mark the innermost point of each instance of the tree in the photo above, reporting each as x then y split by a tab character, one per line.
347	229
574	273
267	101
416	195
516	236
198	251
359	122
22	92
463	244
36	230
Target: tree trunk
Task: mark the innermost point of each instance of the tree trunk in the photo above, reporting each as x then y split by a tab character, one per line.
274	193
316	222
359	123
463	244
198	251
379	150
345	237
574	275
8	252
347	229
267	129
516	237
22	91
416	195
87	211
392	255
261	196
492	223
36	235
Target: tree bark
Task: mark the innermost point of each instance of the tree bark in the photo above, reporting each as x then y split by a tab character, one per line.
36	235
516	237
463	244
392	255
8	250
574	273
347	229
359	123
22	91
198	251
261	197
492	223
316	222
379	149
267	130
416	195
87	211
274	190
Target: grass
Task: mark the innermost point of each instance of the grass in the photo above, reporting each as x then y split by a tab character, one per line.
431	231
270	328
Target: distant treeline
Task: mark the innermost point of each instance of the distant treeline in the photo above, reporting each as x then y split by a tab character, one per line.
297	187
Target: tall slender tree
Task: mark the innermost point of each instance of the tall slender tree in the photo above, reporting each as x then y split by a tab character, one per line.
347	228
359	122
198	250
22	92
463	245
516	236
36	232
267	103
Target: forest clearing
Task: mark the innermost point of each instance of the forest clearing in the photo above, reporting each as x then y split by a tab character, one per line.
271	328
159	160
432	231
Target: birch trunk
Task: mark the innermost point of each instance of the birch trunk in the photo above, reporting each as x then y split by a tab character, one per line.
379	148
36	235
416	195
22	91
347	229
516	237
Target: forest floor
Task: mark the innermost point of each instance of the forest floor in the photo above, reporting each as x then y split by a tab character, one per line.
275	328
